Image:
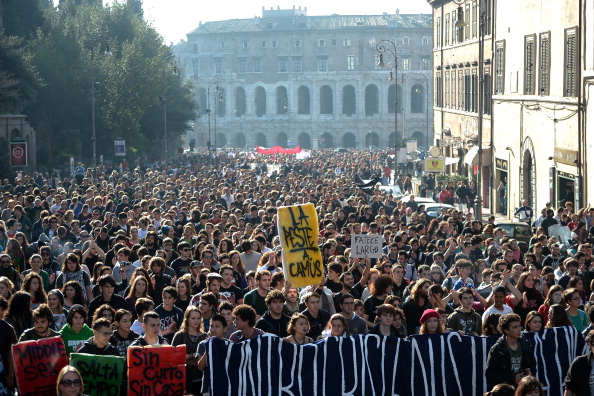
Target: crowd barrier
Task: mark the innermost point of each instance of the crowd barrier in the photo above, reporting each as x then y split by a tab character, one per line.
442	364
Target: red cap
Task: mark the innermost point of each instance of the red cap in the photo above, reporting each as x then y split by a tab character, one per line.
428	314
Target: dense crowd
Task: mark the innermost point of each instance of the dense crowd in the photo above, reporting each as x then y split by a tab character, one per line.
179	252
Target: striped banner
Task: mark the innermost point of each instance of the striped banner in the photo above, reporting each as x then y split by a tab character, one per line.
444	364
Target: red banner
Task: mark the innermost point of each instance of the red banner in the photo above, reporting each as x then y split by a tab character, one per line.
18	153
157	370
278	150
37	364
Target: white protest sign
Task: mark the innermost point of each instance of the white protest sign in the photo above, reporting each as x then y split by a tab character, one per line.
364	245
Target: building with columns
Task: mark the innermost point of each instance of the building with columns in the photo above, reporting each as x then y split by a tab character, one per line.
290	79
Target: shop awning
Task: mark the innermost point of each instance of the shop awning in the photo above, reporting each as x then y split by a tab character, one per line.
471	154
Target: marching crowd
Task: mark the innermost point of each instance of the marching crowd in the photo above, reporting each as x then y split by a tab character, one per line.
188	250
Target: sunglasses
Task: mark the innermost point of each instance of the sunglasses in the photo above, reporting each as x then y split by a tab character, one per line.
69	383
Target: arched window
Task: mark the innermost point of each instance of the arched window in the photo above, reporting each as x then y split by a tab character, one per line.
326	100
417	92
304	140
261	140
349	100
282	101
303	106
371	100
240	103
282	140
260	101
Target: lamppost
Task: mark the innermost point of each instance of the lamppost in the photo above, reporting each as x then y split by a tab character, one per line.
424	77
170	59
98	35
389	47
208	111
460	23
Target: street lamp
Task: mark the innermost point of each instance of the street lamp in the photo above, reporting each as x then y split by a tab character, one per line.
418	80
389	47
208	111
97	36
460	23
169	59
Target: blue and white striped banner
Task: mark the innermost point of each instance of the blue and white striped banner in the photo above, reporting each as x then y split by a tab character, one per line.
445	364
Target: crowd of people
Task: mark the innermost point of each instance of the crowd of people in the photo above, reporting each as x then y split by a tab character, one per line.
184	251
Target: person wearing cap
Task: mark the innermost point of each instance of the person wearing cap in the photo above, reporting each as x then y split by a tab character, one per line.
430	322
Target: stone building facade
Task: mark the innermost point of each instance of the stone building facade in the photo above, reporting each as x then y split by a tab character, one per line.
290	79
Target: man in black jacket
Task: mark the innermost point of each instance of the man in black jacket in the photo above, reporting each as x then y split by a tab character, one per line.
580	380
99	344
274	321
512	357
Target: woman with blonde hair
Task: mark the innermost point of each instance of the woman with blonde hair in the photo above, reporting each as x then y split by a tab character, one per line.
70	382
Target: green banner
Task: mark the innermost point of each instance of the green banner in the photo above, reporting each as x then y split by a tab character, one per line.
102	375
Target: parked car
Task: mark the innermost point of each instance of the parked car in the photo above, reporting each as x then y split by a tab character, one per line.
433	210
394	190
519	231
419	200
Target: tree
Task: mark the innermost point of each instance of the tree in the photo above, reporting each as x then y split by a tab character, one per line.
69	49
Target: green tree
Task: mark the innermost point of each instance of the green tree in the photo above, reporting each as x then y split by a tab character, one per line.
128	80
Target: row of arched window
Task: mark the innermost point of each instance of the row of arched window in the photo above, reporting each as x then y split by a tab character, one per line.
325	105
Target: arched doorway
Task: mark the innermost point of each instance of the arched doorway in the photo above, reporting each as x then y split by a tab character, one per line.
281	140
238	140
261	140
326	141
372	140
304	141
349	140
528	172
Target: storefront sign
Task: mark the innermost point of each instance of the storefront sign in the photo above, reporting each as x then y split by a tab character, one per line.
501	164
564	156
435	164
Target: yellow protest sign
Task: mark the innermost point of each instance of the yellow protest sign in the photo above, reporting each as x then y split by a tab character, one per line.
302	259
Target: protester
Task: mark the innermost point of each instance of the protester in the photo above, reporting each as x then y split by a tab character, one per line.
512	357
99	344
70	382
75	332
42	322
190	334
298	329
244	319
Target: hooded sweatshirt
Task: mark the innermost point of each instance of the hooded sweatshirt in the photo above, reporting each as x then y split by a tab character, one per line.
468	322
72	340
